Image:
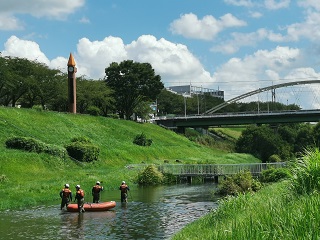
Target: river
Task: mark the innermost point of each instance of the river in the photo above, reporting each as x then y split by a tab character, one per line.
151	213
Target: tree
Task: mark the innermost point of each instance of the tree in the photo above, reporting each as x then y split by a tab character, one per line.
262	142
93	93
132	83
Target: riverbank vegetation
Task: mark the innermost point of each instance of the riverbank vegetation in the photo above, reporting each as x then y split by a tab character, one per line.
30	178
284	210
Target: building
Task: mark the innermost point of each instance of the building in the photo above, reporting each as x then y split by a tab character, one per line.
191	90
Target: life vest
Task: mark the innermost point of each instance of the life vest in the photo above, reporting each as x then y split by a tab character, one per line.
97	188
66	192
80	193
124	188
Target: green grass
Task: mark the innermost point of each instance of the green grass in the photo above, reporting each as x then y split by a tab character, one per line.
232	133
272	213
288	210
28	179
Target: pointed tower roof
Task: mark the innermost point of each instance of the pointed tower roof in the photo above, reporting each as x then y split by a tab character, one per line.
71	61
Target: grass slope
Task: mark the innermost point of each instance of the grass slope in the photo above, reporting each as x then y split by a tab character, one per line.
30	179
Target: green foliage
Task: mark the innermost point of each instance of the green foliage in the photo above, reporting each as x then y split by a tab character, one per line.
306	173
150	176
274	175
132	83
94	111
274	158
83	152
38	108
81	139
262	142
237	183
25	143
142	140
34	145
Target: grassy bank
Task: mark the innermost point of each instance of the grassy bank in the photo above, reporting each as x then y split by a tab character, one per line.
272	213
28	179
287	210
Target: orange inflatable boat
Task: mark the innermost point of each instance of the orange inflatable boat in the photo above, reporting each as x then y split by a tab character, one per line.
92	207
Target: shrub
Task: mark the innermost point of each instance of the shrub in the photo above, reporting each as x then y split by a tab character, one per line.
55	150
81	139
114	116
25	143
274	158
38	108
94	111
34	145
83	152
150	176
142	140
274	174
238	183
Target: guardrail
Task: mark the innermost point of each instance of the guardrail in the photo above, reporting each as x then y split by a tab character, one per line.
210	170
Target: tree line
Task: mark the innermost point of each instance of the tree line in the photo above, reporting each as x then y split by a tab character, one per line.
128	87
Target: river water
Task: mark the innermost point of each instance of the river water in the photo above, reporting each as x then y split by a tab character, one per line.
151	213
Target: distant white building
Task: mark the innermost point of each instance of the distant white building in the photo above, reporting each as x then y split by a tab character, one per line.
191	90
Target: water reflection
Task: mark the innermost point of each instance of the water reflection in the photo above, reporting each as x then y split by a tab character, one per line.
151	213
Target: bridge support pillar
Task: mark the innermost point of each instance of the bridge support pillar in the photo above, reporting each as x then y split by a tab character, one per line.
189	179
216	179
181	130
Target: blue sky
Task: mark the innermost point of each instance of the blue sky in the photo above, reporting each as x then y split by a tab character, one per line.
232	45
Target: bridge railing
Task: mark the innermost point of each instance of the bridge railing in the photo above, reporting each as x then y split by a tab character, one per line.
209	169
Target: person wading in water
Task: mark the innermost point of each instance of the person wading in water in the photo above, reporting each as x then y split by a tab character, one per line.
96	189
124	191
80	198
66	196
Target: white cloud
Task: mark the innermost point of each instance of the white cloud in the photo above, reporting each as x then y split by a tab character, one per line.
24	49
246	39
173	62
84	20
313	4
276	4
255	14
57	9
93	57
244	75
8	22
206	28
308	29
239	3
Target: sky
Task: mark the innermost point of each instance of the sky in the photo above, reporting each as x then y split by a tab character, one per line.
235	46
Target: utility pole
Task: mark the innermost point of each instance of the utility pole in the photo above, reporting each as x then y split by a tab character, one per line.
72	88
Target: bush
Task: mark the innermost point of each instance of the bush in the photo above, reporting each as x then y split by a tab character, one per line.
274	174
34	145
238	183
142	140
83	152
94	111
150	176
81	139
25	143
274	158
